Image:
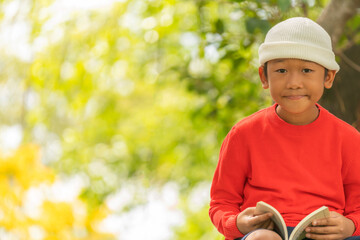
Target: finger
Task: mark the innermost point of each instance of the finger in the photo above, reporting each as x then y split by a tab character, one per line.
331	221
260	218
265	224
322	236
271	226
323	230
335	214
249	211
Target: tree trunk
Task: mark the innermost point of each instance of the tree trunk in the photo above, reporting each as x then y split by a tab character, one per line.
334	17
343	100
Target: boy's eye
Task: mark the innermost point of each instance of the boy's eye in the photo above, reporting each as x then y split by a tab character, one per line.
307	70
281	70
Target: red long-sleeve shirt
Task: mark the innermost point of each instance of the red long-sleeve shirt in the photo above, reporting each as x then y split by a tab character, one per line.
296	169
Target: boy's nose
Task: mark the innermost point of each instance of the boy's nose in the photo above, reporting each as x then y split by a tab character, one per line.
294	81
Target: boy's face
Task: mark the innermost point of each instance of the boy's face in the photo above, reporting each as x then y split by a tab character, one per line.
296	85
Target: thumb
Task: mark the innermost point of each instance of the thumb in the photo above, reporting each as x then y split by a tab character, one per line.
334	214
249	211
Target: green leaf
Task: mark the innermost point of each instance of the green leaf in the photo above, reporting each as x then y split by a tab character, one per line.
284	5
253	24
219	26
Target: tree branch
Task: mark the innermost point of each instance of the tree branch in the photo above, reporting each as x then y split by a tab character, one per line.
348	61
334	17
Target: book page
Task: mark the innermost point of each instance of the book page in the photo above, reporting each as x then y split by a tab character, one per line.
262	207
299	230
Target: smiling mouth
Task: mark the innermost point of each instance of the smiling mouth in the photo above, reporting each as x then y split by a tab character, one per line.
295	97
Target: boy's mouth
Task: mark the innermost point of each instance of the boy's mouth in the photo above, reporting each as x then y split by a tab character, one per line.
295	97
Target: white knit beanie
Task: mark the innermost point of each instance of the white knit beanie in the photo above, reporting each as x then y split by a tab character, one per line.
299	38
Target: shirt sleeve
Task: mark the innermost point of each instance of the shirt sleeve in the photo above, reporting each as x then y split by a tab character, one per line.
227	186
351	180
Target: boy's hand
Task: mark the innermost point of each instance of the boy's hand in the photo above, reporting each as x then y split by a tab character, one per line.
248	221
334	227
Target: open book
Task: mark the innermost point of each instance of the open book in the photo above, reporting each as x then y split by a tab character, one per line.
299	231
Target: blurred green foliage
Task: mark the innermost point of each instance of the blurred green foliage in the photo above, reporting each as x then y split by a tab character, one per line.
139	91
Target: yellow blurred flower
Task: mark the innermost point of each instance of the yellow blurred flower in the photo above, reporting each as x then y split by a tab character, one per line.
22	174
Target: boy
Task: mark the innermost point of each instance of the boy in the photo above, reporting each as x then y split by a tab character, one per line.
295	155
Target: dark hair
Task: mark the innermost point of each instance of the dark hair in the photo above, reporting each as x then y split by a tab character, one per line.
266	75
265	69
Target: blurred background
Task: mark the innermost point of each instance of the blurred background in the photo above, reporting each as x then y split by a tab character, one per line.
112	112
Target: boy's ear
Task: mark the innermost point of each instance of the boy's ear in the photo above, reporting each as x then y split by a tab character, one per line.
329	79
263	78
